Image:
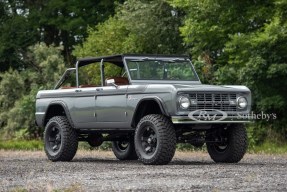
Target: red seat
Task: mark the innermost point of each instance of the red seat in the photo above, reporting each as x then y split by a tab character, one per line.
83	86
66	87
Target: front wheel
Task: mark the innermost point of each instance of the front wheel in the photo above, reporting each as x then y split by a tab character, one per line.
61	140
233	144
155	140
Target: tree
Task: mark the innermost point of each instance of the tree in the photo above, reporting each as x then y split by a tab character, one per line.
65	22
18	90
16	35
258	60
209	24
242	42
24	23
135	28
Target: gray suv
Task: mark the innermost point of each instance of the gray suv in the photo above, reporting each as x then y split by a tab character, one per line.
145	105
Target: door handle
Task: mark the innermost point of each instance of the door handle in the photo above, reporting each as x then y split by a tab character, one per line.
78	90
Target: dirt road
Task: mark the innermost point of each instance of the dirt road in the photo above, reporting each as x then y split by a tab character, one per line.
100	171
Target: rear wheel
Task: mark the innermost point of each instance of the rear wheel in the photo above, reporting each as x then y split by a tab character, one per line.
60	139
233	144
155	140
125	149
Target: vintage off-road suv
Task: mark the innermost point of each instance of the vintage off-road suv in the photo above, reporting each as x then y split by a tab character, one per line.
144	104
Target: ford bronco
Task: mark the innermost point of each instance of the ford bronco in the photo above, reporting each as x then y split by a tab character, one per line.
144	105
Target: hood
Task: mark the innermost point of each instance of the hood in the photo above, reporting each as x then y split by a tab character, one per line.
203	87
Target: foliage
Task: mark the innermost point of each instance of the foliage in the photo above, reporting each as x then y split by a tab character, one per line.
231	42
18	91
242	42
209	23
270	147
21	145
259	60
135	28
24	23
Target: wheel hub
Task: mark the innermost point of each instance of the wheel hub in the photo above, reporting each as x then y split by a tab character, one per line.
149	141
58	138
55	139
123	145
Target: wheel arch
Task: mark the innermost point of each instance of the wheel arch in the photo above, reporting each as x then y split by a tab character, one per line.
146	106
57	108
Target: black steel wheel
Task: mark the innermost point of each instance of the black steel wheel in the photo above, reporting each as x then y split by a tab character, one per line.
60	139
124	149
155	140
233	144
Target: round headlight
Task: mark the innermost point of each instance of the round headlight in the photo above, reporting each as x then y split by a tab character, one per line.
241	102
184	102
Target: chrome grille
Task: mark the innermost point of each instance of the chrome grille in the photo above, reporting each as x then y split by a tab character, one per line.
219	101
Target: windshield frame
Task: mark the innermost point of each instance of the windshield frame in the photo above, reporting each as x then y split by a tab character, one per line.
64	77
160	81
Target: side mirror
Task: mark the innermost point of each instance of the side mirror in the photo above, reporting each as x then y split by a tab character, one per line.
111	82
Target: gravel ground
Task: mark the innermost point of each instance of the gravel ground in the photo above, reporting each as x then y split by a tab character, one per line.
100	171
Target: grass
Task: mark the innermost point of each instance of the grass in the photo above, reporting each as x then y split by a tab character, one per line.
268	147
35	145
21	145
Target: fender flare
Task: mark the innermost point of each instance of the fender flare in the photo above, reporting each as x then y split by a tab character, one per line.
158	100
64	106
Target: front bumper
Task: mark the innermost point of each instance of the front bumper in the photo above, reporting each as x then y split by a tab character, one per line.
187	120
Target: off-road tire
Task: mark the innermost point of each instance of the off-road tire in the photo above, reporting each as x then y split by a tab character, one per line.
165	139
124	153
236	146
68	139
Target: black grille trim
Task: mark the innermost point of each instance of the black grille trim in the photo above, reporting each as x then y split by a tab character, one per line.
218	101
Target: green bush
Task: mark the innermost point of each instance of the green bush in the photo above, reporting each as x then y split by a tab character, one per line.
18	91
22	145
